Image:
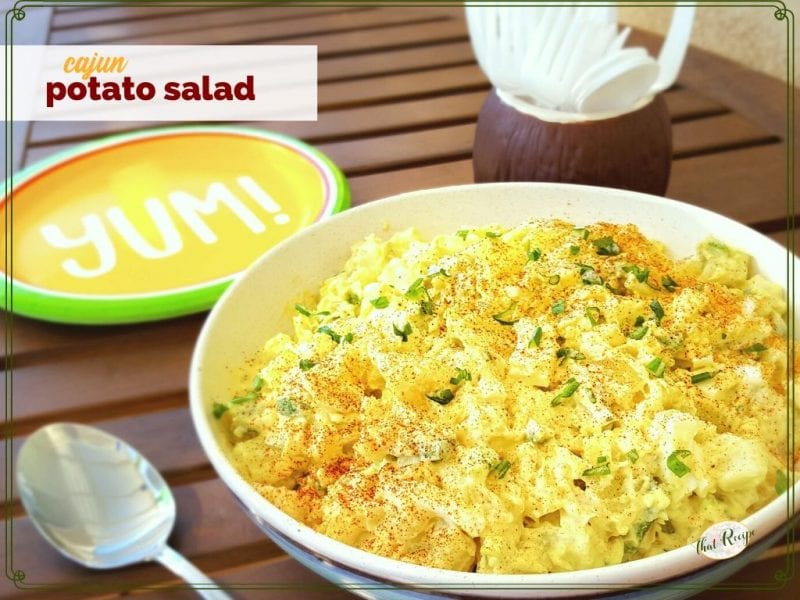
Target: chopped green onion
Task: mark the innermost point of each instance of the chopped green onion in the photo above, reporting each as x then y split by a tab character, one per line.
615	290
656	367
258	383
302	310
758	348
639	332
249	397
593	314
676	465
380	302
218	410
573	250
404	332
353	299
700	377
641	274
415	290
492	234
554	279
629	551
558	307
642	529
669	283
307	313
602	469
507	316
565	353
719	246
639	320
330	333
442	396
439	273
534	255
589	276
632	455
305	364
286	407
567	391
583	231
462	233
781	482
606	246
426	306
461	375
501	468
658	311
601	460
652	285
349	338
418	291
536	338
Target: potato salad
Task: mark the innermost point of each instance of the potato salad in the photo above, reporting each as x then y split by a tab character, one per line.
537	399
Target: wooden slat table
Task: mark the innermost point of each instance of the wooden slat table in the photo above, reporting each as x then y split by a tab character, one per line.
399	92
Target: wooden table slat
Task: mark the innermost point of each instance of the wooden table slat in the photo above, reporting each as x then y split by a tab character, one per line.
79	380
269	21
724	183
299	581
360	120
395	61
716	134
87	16
272	19
686	104
312	29
32	337
721	182
394	151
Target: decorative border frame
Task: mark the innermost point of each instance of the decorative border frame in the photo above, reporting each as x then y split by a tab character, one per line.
782	13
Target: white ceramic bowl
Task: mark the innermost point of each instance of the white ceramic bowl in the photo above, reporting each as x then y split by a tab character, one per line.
257	305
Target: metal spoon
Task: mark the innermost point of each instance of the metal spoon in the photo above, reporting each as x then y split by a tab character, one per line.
99	502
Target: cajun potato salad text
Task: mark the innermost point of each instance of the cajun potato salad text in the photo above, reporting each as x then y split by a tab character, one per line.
529	400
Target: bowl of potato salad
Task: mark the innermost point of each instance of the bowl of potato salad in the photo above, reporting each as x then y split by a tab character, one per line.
509	390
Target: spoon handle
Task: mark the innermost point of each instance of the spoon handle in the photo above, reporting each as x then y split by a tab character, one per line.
179	565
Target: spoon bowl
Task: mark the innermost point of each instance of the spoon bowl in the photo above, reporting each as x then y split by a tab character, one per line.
99	502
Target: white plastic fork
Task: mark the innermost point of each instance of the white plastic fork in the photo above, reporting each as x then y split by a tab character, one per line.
572	58
574	43
538	51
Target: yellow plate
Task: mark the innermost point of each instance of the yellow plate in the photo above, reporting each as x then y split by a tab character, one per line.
156	224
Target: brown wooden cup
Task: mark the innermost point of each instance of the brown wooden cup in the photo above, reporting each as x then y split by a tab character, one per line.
631	151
